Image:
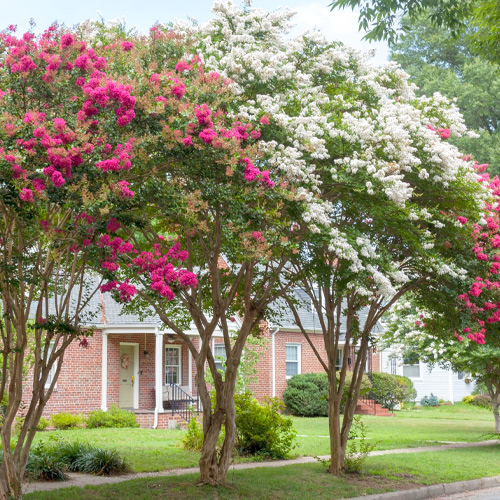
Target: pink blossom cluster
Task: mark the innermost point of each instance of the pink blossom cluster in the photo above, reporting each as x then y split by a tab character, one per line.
444	133
101	93
252	173
121	159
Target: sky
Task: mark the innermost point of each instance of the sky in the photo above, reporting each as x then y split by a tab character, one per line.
338	25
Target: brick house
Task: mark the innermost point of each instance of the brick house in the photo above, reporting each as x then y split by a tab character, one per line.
134	363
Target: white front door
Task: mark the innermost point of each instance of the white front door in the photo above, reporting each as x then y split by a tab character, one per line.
127	372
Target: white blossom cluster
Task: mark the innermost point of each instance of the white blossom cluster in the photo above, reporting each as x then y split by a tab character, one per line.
333	107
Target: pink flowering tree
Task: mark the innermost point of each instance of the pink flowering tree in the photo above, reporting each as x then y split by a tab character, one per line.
217	225
465	337
66	147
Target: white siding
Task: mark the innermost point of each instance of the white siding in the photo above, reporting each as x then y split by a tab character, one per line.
436	381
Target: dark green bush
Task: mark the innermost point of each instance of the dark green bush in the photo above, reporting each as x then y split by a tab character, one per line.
45	464
429	400
482	400
307	394
114	417
392	390
70	453
65	420
261	429
101	462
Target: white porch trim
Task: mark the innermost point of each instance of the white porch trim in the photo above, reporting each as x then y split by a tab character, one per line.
104	372
158	375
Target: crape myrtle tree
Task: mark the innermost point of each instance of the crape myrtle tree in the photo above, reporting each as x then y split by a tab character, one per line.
213	201
465	338
385	185
65	155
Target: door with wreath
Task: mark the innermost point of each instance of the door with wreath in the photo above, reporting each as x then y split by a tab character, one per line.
127	371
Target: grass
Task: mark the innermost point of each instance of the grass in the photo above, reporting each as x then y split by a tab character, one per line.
155	450
408	429
144	449
296	482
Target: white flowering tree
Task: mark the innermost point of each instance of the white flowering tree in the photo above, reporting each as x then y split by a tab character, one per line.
386	193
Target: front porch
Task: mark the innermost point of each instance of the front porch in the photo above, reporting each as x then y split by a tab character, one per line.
149	372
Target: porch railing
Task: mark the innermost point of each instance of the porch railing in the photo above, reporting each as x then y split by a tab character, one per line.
183	403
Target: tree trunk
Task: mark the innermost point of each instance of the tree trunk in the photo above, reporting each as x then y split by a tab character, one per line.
214	463
495	403
336	452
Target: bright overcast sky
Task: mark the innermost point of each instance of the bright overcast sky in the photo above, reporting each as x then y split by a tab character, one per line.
338	25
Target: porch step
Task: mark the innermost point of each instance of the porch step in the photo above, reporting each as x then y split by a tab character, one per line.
363	408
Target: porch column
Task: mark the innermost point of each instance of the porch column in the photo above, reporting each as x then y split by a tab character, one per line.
104	372
190	371
159	371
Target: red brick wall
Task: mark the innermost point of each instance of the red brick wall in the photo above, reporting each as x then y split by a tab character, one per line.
79	384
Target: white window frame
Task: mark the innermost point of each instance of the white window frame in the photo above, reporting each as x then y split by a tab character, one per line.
220	361
298	360
179	349
53	370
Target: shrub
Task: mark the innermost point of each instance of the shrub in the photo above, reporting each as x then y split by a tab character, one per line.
429	400
482	400
43	424
193	440
65	420
468	399
70	453
261	429
101	462
45	464
114	417
392	390
307	394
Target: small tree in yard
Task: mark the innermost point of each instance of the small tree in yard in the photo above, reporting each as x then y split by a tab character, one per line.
64	156
214	203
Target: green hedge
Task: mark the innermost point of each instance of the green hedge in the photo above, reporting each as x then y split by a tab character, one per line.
307	394
392	390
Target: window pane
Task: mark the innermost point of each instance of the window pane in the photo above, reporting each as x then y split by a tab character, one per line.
411	371
340	355
292	368
292	353
220	356
172	365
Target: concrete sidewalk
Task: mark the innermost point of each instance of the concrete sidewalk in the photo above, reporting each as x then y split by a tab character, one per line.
77	479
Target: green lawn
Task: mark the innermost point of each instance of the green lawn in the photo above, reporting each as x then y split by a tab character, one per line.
408	429
154	450
296	482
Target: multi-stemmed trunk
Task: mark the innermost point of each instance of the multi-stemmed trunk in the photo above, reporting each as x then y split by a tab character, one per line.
340	428
215	462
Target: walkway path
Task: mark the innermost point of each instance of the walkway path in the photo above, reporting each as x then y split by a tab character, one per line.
88	479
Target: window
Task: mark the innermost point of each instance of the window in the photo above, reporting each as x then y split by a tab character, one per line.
220	356
340	357
292	357
173	365
52	372
411	366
